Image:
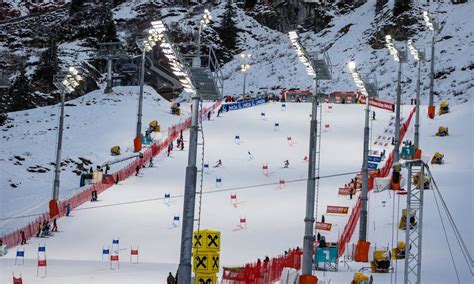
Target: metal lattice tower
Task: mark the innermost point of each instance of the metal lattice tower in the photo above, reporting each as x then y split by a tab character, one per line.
414	236
110	51
206	78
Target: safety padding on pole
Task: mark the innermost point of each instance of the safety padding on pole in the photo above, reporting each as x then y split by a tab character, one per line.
137	144
308	279
418	153
431	111
362	251
53	208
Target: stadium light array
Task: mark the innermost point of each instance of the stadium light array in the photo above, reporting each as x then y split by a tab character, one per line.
391	48
160	29
293	36
357	80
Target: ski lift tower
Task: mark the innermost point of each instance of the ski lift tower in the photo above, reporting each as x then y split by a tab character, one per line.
318	67
109	51
414	236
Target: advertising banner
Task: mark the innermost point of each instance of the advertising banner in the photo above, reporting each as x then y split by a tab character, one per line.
337	209
241	105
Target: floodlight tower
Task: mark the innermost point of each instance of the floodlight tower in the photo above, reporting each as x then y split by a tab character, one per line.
146	45
433	26
363	87
245	68
203	23
419	57
189	202
66	82
318	69
401	57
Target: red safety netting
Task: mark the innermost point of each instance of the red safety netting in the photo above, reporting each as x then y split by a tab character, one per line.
262	272
348	231
14	238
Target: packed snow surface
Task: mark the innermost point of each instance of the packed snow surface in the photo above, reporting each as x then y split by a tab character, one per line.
274	215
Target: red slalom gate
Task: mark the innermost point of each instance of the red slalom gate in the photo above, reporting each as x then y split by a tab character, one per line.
14	238
384	172
262	272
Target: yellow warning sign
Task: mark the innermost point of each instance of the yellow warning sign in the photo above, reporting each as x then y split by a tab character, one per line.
206	262
207	240
203	278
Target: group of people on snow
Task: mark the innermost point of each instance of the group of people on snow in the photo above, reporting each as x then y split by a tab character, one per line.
44	230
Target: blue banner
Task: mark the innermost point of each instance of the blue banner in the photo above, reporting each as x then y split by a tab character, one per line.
375	159
372	165
241	105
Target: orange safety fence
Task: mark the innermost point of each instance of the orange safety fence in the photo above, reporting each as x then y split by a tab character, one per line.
14	238
384	172
262	272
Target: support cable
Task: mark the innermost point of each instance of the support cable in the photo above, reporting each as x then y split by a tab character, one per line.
393	230
466	254
446	237
396	243
182	195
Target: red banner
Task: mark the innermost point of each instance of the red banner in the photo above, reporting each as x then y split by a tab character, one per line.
323	226
344	191
337	209
378	104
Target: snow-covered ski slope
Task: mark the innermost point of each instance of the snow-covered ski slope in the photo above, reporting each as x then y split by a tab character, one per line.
455	181
93	124
274	215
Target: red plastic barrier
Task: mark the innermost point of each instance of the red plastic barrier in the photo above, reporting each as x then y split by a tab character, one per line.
14	238
262	272
348	231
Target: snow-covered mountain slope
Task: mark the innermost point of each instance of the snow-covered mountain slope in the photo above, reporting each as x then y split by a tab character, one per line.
274	63
93	124
274	215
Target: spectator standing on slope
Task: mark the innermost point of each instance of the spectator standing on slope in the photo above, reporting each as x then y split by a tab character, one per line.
23	238
68	209
40	228
170	279
150	165
55	226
